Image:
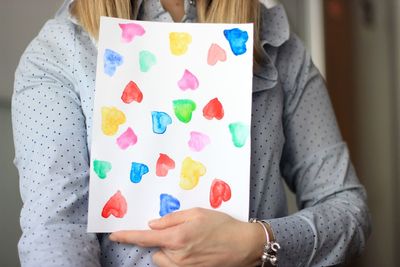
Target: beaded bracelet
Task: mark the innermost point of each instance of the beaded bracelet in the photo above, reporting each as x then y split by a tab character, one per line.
271	247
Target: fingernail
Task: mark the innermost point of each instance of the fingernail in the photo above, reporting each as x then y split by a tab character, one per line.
112	237
152	222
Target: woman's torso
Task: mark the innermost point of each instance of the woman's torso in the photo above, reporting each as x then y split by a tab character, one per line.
267	197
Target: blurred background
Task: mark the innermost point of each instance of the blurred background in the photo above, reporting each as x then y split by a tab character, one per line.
355	44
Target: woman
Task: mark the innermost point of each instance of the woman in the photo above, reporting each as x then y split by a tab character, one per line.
295	139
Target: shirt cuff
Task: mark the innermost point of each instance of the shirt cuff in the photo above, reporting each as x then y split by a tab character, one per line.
297	239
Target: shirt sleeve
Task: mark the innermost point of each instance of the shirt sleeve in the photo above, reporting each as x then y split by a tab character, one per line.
333	221
51	154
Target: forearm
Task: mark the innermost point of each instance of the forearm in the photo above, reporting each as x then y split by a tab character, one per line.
333	219
342	226
52	157
325	234
59	245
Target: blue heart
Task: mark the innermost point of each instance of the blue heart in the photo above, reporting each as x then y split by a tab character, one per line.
137	172
237	40
112	60
161	120
168	204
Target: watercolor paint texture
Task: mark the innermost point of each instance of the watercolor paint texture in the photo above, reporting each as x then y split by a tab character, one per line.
171	121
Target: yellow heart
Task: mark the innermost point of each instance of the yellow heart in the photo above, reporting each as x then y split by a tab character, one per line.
112	118
179	42
191	173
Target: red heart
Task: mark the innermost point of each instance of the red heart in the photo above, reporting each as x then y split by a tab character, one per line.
220	191
215	54
116	206
213	109
132	93
164	164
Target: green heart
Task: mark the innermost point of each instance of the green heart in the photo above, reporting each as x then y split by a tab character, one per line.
183	109
146	60
101	168
240	133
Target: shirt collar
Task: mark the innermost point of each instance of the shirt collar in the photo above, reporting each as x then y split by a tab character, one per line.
63	12
275	29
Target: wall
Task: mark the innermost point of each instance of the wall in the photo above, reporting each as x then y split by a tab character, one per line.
20	20
395	20
376	125
10	203
307	20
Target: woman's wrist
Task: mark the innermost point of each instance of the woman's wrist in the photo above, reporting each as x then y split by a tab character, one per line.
253	236
271	247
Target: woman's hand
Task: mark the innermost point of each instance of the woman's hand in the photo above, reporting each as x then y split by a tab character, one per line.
174	7
199	237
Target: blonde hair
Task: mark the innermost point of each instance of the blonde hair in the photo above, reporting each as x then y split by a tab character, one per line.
88	13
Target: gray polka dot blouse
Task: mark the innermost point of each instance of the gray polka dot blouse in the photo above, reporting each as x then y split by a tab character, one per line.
295	139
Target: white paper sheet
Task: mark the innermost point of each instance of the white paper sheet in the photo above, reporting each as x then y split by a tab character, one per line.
171	121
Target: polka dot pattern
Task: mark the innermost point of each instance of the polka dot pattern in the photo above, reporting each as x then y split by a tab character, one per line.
294	139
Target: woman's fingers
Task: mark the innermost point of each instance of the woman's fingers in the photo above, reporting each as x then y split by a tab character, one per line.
198	237
145	238
170	220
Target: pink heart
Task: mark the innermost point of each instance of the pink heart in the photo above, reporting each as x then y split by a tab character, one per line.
127	139
198	141
215	54
188	81
130	31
